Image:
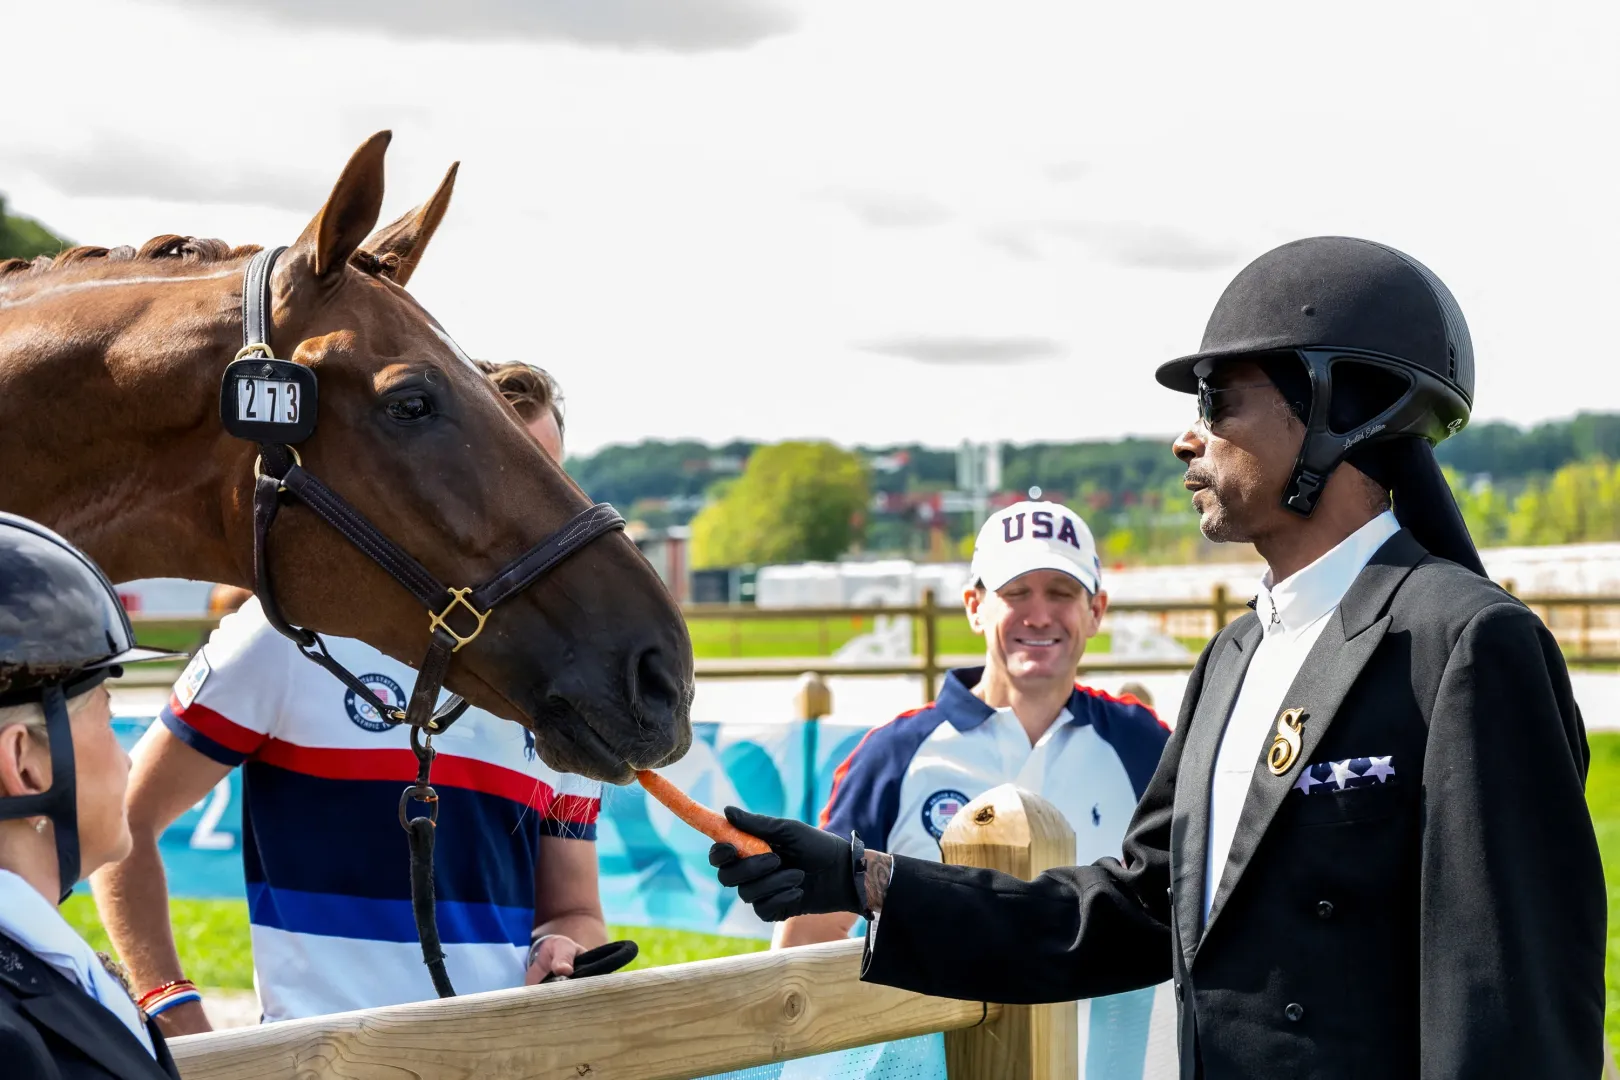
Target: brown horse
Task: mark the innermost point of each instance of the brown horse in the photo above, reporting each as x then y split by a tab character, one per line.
110	364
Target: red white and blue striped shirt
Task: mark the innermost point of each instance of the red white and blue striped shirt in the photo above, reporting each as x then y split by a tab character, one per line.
326	863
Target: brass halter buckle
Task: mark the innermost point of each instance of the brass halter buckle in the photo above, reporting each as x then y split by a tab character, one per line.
258	471
436	620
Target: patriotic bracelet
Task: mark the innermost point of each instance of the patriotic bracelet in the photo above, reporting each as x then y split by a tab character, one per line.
168	995
170	1002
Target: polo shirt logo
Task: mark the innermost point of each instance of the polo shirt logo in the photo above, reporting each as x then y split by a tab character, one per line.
363	713
939	808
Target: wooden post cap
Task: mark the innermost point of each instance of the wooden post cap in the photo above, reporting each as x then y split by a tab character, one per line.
813	697
1022	834
1008	828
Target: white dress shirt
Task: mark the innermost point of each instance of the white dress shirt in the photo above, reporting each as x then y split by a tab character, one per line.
35	924
1293	611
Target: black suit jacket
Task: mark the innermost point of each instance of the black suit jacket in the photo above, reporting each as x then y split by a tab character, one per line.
1448	922
50	1029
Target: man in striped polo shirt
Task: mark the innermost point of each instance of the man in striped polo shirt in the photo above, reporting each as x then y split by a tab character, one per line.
325	862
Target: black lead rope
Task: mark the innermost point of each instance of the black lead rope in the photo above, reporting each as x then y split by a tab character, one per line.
420	830
279	476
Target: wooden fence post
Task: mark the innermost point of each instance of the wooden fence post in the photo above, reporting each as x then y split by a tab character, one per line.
811	701
1218	604
930	645
1020	833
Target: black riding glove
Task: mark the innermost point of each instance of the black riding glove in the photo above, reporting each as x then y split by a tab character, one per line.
807	872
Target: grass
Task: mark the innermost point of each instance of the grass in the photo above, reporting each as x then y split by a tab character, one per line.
752	638
212	936
1603	799
215	951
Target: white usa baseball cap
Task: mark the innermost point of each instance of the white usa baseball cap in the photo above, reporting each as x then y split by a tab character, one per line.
1030	536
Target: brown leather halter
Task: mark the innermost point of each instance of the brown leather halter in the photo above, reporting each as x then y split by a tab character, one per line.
279	472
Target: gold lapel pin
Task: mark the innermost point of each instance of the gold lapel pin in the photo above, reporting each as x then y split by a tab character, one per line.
1285	747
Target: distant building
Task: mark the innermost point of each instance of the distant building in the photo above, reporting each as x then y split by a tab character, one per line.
666	549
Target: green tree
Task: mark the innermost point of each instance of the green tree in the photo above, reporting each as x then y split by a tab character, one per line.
794	501
1579	503
23	238
1486	509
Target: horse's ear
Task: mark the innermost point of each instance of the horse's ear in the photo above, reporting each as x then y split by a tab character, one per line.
350	211
407	238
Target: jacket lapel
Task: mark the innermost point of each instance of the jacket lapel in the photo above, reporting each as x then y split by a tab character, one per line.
1189	834
1351	636
84	1022
165	1059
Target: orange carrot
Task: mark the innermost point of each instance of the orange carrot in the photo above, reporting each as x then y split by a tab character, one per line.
700	817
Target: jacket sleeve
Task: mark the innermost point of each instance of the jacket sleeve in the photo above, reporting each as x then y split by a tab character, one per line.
1074	932
1513	903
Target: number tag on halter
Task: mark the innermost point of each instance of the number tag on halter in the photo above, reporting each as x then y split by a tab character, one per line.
268	401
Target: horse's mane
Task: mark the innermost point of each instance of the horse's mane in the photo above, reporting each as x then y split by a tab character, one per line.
168	249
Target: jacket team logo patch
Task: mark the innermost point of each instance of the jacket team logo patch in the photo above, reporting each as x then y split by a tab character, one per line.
939	808
363	713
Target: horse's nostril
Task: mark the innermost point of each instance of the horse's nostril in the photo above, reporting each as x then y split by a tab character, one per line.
656	691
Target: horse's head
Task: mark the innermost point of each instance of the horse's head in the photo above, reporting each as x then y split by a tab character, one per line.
594	657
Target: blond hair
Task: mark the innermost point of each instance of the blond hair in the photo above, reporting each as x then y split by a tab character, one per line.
31	714
528	389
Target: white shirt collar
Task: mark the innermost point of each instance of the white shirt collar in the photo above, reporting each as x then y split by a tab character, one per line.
1306	595
36	924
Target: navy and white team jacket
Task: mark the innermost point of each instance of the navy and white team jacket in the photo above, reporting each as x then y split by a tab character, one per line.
902	785
906	780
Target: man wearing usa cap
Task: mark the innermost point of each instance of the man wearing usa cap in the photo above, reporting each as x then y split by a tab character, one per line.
1036	597
1366	850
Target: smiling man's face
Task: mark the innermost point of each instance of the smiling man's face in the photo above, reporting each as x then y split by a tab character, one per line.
1036	626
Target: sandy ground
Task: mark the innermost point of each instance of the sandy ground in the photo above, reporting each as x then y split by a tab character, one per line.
231	1008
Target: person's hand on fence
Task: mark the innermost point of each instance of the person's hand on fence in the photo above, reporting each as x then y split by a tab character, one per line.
550	955
808	871
555	957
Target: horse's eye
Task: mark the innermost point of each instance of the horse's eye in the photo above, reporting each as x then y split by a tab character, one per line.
408	410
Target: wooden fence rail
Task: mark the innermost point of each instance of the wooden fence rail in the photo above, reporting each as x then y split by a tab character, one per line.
1588	641
685	1020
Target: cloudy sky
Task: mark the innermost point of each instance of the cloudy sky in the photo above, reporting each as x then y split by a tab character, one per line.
870	221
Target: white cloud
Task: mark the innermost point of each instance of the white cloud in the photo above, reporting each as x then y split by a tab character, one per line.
705	243
689	26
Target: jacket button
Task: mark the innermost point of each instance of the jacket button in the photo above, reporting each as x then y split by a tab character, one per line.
1295	1011
1324	909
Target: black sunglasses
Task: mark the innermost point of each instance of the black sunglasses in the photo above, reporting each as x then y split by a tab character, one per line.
1206	398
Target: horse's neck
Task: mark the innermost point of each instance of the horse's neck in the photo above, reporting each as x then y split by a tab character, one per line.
107	435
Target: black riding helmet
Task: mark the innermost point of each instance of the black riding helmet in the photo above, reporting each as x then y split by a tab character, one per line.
1371	350
63	631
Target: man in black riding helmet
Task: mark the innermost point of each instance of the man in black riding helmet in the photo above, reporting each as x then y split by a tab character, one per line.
1366	847
64	1011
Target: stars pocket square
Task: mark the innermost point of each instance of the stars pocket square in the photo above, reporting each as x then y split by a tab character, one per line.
1346	775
